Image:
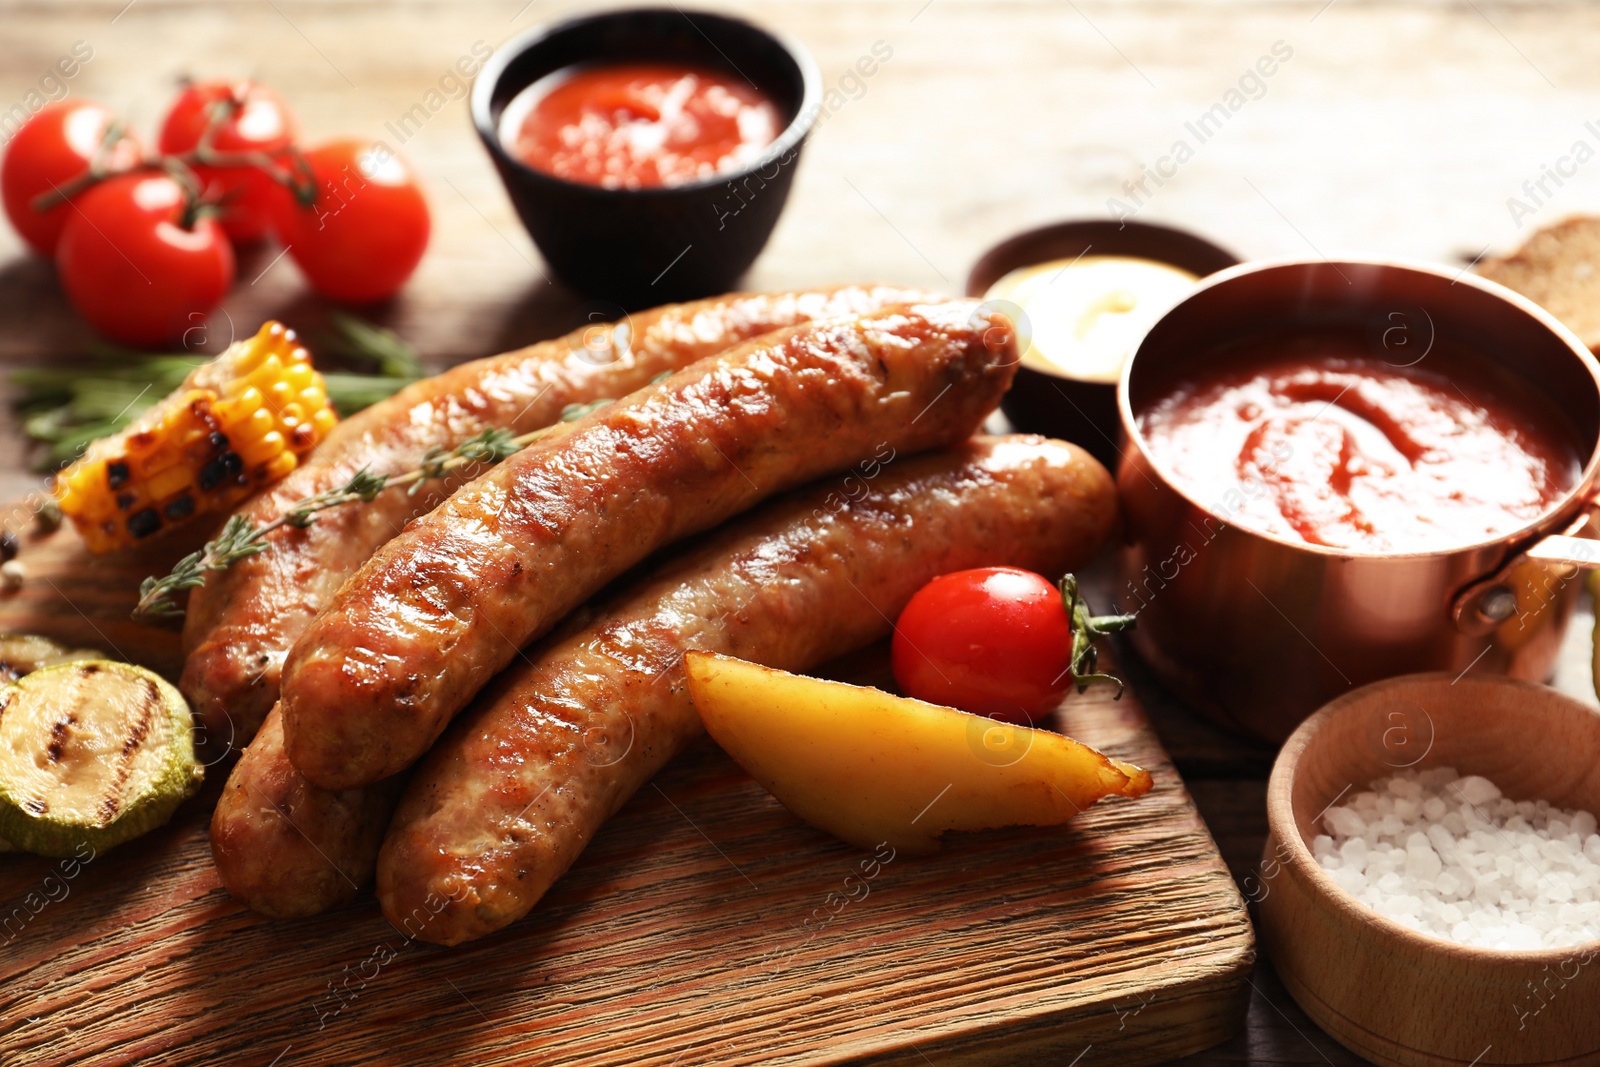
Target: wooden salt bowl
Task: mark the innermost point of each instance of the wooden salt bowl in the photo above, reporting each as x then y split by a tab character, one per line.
1388	993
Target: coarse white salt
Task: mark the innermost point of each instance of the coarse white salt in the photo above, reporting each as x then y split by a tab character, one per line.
1453	857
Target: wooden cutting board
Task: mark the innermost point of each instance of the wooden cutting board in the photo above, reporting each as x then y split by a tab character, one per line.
704	925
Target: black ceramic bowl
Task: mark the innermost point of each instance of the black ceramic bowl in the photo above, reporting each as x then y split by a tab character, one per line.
641	247
1084	412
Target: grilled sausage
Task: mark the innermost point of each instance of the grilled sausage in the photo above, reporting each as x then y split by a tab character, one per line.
242	622
513	792
286	848
414	634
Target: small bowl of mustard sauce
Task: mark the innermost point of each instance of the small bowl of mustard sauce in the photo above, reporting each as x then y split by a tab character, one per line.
1083	295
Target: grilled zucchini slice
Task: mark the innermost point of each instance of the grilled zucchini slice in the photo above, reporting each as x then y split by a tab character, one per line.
22	654
25	653
94	752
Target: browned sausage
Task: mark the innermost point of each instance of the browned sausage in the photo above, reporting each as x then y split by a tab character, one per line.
512	793
287	848
283	846
414	634
243	621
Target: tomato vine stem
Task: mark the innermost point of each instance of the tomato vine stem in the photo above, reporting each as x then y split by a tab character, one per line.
291	170
1088	628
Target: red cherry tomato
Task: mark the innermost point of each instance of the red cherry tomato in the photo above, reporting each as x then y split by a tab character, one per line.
257	120
52	148
133	269
368	228
994	641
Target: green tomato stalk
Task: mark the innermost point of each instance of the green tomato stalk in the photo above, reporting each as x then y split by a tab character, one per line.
1086	630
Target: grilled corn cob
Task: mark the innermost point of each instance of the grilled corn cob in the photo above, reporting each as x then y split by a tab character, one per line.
237	423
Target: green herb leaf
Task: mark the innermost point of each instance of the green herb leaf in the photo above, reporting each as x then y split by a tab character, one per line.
379	348
63	409
241	538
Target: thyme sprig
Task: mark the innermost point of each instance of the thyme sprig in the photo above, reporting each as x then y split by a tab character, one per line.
241	538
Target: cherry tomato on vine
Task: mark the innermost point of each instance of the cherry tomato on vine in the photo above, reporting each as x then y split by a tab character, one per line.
137	265
51	149
997	641
368	227
250	118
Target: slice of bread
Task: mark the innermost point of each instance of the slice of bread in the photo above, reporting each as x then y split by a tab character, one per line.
1559	269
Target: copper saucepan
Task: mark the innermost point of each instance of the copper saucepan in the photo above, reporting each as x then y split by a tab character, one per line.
1259	631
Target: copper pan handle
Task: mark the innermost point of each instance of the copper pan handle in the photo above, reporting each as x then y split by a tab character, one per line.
1486	603
1581	553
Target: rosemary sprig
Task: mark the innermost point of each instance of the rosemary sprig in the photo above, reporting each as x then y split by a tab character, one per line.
373	347
65	408
241	538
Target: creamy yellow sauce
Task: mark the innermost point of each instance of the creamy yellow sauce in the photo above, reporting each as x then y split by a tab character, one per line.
1086	316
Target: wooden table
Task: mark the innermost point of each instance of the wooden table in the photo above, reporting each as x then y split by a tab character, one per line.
1396	128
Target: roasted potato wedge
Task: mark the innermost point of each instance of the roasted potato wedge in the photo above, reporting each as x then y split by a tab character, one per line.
870	767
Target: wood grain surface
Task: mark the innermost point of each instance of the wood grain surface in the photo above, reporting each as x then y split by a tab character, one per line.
703	925
1418	119
1399	127
87	601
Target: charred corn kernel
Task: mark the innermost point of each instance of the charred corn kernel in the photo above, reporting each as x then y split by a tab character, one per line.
258	425
261	451
280	465
298	377
239	408
240	422
268	373
157	461
142	444
170	482
252	359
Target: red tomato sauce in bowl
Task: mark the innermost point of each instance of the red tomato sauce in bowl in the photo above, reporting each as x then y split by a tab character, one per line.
639	125
1315	439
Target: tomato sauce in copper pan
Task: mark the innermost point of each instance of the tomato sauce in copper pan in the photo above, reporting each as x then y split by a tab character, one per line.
1260	628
